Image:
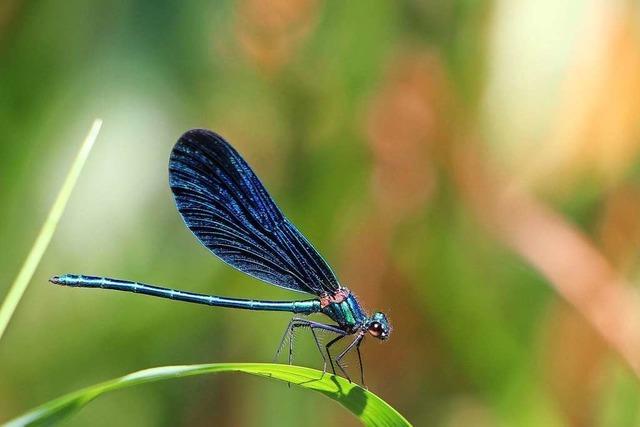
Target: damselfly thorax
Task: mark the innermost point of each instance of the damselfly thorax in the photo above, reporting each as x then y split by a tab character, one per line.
344	309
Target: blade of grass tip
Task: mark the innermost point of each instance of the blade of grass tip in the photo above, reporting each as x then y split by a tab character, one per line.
19	285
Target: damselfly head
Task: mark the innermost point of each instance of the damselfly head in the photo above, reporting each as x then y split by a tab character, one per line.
378	326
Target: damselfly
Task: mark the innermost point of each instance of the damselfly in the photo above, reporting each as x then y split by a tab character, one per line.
225	205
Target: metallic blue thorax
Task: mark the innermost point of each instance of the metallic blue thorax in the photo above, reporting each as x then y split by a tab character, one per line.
348	313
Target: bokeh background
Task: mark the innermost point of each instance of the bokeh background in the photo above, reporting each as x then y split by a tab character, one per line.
470	167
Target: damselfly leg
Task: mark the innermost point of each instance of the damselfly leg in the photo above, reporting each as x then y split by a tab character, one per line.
360	363
289	333
355	343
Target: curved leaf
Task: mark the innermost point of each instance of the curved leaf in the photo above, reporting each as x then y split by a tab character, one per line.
371	410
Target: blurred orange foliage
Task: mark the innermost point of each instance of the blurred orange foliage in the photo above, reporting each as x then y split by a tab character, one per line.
269	32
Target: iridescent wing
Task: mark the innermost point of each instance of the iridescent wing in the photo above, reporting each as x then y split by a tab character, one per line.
226	206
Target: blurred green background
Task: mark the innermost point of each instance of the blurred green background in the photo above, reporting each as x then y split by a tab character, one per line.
471	168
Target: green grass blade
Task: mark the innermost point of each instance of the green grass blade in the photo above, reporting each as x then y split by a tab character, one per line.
369	408
19	286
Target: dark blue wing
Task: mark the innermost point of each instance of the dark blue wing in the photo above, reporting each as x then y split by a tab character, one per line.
227	208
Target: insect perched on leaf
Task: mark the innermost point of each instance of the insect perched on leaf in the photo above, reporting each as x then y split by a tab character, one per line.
227	208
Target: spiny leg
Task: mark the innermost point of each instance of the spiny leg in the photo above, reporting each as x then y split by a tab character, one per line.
302	324
287	332
297	323
292	335
355	342
332	342
323	327
324	358
361	366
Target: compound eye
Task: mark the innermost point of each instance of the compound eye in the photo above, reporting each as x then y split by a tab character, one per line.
375	329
